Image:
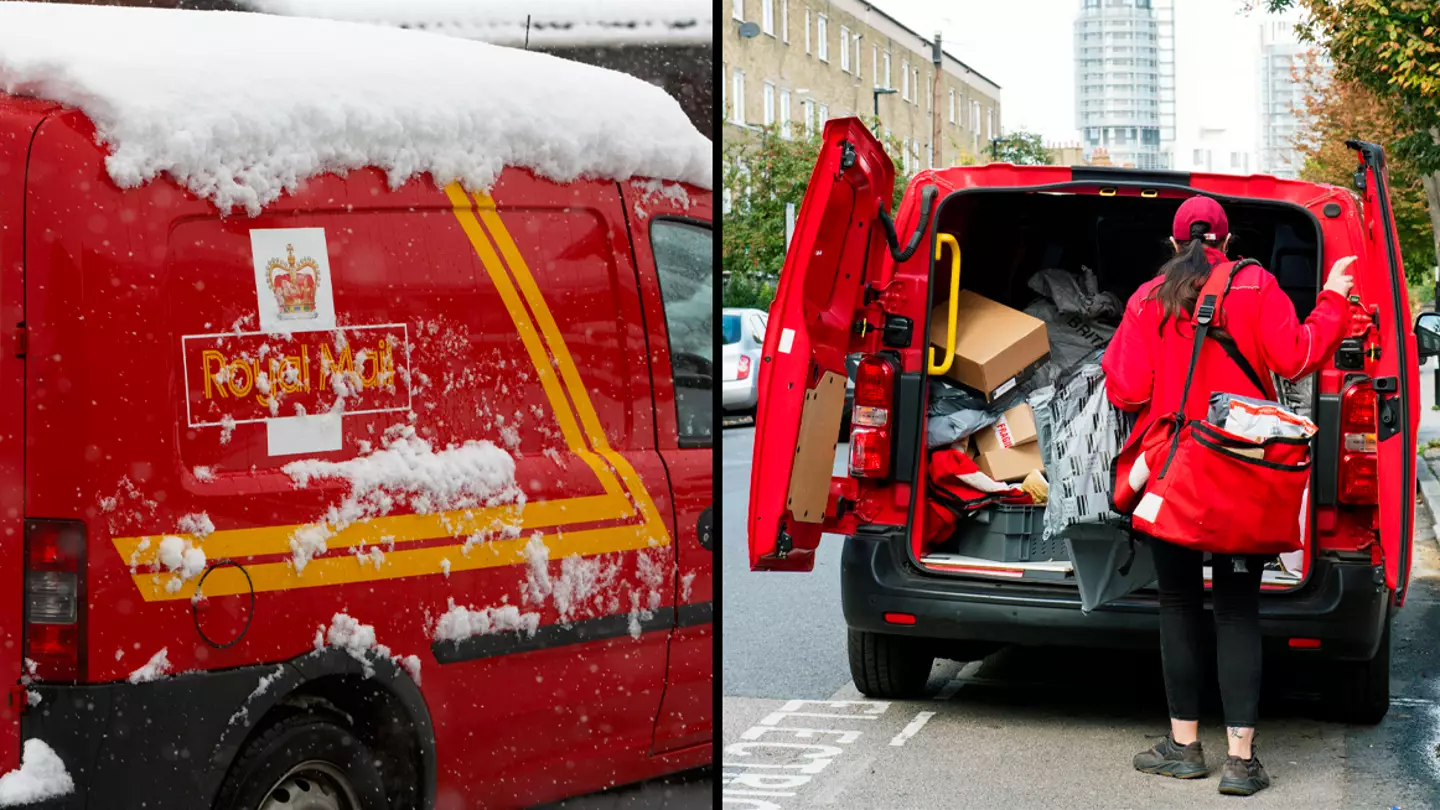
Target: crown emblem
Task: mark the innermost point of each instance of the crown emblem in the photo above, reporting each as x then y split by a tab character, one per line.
294	289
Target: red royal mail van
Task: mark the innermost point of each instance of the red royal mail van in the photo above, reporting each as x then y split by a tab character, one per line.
855	283
391	496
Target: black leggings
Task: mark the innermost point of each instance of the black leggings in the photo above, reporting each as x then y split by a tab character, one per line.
1236	595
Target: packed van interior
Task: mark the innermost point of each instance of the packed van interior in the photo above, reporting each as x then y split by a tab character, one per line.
1071	260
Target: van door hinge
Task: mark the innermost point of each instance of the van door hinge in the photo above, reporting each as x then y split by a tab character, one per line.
21	341
784	543
1388	407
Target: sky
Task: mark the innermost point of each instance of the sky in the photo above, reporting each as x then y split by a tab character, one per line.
1027	47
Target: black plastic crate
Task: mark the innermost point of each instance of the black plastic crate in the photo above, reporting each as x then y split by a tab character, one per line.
1006	533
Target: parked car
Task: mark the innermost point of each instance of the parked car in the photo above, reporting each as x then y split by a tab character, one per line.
262	477
904	604
743	333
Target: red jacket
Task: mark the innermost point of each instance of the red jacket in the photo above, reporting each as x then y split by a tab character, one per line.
1145	365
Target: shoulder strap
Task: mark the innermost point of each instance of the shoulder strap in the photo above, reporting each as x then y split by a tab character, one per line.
1207	311
1228	344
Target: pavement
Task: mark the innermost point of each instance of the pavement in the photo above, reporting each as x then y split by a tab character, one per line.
1038	728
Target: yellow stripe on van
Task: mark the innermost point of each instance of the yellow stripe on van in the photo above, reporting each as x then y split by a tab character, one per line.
556	343
267	540
573	439
348	569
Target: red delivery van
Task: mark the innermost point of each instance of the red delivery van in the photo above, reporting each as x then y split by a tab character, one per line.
385	492
856	284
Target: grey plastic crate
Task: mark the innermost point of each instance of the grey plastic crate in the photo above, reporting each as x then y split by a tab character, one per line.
1007	533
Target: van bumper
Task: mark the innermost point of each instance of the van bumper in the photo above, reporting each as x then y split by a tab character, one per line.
150	745
1345	605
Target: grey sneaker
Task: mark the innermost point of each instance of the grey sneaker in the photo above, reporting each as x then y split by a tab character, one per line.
1169	758
1242	777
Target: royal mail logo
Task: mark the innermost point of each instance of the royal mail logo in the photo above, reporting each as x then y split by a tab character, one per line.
257	377
294	285
293	282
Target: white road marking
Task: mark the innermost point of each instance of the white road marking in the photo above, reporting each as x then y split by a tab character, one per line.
915	725
1404	701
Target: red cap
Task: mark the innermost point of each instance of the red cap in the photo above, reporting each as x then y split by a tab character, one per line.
1200	209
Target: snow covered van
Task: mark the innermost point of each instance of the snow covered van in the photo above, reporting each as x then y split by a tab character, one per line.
853	282
354	421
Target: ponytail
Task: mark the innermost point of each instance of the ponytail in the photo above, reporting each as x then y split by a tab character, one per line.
1184	276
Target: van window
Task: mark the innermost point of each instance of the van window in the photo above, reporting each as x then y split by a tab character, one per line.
730	328
684	262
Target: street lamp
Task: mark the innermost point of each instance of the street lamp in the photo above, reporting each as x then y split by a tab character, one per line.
878	92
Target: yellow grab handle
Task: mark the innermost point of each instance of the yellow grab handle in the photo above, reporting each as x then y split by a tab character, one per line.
940	242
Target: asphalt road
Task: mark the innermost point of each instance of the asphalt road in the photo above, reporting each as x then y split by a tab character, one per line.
1031	728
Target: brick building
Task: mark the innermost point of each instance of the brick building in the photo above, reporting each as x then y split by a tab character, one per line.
813	60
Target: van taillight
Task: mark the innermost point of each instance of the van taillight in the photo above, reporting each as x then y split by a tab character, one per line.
54	596
1359	481
742	369
870	421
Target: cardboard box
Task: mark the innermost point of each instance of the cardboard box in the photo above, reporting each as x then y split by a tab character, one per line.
995	346
1010	463
1015	427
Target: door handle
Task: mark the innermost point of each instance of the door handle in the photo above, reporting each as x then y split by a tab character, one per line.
705	528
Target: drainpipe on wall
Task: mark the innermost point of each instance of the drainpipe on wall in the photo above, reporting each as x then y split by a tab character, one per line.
938	57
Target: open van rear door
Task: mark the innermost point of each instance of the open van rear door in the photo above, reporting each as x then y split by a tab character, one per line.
836	245
1395	376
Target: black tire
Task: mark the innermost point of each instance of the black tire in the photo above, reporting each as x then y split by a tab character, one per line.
886	666
304	752
1359	691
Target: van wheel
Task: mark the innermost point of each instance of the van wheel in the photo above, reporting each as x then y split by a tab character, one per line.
304	761
1360	690
885	666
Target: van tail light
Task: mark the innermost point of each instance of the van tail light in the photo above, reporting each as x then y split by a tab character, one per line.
742	369
871	419
1359	479
54	598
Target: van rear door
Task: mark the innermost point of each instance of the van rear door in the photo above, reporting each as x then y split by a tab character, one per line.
18	120
1395	376
836	244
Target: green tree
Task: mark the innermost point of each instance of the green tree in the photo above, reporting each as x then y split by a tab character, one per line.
1392	48
1021	149
762	171
1338	109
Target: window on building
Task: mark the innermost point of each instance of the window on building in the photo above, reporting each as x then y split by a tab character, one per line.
915	85
737	9
952	106
685	266
1234	160
822	38
844	49
767	16
807	30
785	21
874	65
769	109
785	114
737	92
975	116
994	130
929	93
857	56
809	106
887	85
905	79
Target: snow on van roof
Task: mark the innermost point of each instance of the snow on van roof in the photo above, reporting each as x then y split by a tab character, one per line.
238	107
541	23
